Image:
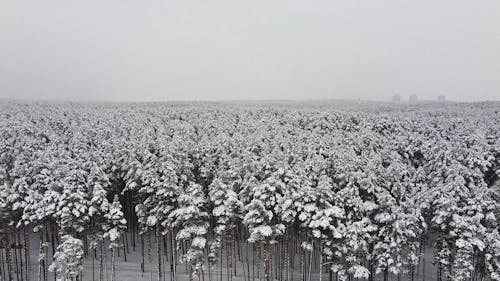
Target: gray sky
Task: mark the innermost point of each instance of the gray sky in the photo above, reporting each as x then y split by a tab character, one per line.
256	49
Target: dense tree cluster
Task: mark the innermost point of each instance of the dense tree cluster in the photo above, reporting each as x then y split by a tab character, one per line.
360	191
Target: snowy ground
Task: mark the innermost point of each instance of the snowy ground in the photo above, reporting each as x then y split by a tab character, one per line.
131	269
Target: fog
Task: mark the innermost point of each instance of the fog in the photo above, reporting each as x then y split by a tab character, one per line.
245	50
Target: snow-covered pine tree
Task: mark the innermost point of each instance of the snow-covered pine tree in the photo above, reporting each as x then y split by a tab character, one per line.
115	226
395	212
192	221
263	223
68	260
226	211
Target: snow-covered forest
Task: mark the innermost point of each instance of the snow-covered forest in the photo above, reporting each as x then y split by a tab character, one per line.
221	191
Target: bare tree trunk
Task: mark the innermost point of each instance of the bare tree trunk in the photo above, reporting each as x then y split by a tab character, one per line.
311	260
125	245
8	254
450	268
412	272
149	257
2	266
371	277
42	259
170	241
229	248
40	262
158	248
2	269
423	262
16	258
253	262
54	237
482	268
101	260
105	263
302	264
143	265
287	259
259	261
233	254
277	264
266	262
21	254
165	243
320	261
248	263
270	253
47	239
220	261
93	264
174	254
113	269
26	253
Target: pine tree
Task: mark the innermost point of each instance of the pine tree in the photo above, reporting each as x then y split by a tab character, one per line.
115	226
68	260
191	218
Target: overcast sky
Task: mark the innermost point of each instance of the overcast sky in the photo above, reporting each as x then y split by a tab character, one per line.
161	50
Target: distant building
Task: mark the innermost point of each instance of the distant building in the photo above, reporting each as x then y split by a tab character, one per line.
413	98
396	98
441	98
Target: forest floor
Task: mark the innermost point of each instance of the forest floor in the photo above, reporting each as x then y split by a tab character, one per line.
131	269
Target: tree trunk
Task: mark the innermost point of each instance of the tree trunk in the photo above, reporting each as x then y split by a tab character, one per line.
47	239
42	260
229	255
16	258
371	277
259	261
310	260
101	260
247	262
143	254
158	248
320	261
412	272
234	253
287	260
113	269
2	266
423	263
8	254
93	265
105	262
171	242
302	264
220	261
253	262
26	253
267	276
149	257
125	245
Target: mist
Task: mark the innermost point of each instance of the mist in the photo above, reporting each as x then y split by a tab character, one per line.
249	50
